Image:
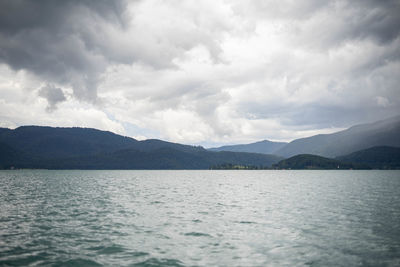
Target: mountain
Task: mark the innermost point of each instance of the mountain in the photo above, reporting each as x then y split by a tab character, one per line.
9	156
380	133
49	142
306	162
382	157
85	148
162	158
58	142
264	147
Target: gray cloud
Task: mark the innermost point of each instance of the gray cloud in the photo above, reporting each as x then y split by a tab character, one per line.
327	24
53	95
73	42
346	21
375	19
52	39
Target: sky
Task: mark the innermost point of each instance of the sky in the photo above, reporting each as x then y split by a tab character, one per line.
204	72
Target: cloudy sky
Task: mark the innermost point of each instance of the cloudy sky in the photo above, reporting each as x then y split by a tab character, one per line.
204	72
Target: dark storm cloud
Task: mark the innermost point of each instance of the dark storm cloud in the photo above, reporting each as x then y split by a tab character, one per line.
16	15
73	42
55	39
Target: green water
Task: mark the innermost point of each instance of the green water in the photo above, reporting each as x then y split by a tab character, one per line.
199	218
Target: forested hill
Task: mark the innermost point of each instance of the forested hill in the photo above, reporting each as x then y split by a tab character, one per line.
310	162
58	142
372	158
85	148
382	157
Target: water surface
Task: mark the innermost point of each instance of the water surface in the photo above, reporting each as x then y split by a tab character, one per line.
200	218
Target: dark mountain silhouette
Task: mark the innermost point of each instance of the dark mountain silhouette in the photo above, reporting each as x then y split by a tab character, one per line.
49	142
84	148
380	133
58	142
162	158
9	156
264	147
381	157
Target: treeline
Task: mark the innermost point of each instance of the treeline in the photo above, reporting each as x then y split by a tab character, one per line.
230	166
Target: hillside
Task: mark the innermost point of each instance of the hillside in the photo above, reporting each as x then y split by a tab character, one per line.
49	142
83	148
264	147
163	158
380	133
382	157
58	142
9	156
306	162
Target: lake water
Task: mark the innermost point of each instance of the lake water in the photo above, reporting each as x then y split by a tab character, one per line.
200	218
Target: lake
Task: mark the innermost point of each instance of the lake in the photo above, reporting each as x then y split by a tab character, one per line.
200	218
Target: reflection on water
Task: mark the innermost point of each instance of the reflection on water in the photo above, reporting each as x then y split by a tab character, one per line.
199	218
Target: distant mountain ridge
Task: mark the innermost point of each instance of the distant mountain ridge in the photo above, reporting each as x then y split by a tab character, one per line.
86	148
380	133
359	137
264	147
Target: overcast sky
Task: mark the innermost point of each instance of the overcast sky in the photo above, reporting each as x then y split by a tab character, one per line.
200	72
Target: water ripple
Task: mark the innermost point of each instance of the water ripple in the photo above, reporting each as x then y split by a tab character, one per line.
199	218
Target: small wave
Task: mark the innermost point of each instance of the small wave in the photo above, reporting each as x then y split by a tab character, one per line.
108	250
138	254
154	262
196	234
78	262
203	212
247	222
24	261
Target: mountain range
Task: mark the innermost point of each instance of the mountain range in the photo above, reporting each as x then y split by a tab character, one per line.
359	137
264	147
85	148
373	145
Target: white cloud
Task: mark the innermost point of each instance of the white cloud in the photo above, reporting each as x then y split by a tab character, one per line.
20	105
